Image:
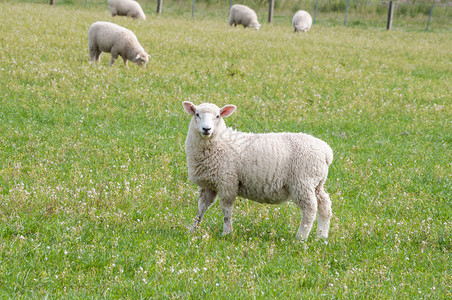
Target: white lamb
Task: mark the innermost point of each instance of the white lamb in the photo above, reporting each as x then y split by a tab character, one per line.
117	40
241	14
129	8
301	21
267	168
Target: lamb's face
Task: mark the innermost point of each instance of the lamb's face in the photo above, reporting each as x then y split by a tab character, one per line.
255	26
301	28
207	117
141	59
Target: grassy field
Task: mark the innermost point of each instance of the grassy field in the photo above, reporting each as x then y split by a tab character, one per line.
410	15
94	195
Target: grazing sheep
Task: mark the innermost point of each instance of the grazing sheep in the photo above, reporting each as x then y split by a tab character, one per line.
267	168
129	8
301	21
117	40
241	14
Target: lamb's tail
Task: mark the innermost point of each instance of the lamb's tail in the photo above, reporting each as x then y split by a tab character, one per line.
303	27
328	155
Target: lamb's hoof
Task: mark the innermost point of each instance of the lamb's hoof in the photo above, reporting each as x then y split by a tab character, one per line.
226	232
193	228
300	238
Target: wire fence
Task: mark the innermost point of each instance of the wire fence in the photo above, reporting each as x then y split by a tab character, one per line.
418	15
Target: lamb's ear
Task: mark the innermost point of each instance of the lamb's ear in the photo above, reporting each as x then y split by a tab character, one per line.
189	107
227	110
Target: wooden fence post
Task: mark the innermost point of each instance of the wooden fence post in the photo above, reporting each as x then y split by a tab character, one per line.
429	17
346	11
159	6
271	6
193	9
315	9
390	15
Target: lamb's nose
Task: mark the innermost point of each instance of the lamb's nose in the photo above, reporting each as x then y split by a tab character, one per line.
206	129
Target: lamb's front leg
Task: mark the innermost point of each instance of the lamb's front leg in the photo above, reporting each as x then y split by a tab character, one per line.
227	205
206	198
124	58
114	56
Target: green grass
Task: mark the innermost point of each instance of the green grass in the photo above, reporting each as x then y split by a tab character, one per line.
408	15
94	195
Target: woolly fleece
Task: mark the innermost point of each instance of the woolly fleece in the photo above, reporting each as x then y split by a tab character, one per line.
301	21
268	168
117	40
241	14
129	8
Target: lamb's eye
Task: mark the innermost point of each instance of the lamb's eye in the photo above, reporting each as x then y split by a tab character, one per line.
218	116
197	115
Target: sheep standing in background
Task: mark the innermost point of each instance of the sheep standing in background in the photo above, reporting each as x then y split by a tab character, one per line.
267	168
129	8
241	14
117	40
301	21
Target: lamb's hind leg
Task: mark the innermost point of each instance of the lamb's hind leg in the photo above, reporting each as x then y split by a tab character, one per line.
305	198
94	54
324	212
206	198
